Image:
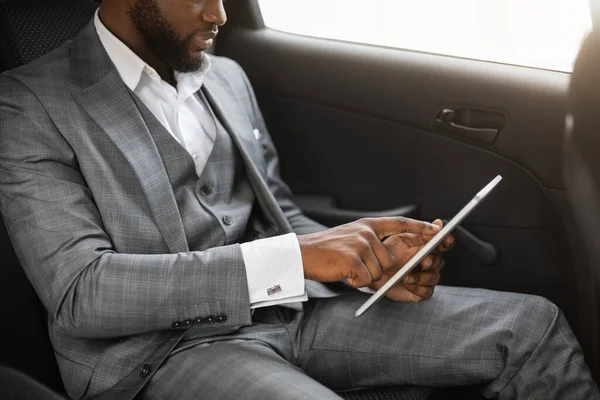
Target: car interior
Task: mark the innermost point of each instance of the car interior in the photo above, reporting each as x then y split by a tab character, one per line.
366	131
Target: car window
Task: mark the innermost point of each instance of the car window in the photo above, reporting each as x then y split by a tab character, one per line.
536	33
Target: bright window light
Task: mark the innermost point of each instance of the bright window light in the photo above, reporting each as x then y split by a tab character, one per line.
536	33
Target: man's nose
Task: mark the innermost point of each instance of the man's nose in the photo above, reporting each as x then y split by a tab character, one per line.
215	12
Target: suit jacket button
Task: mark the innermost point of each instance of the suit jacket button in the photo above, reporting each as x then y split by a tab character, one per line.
145	370
227	220
210	319
206	190
221	318
199	321
187	323
176	325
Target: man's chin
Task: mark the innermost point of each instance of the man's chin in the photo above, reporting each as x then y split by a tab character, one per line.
197	57
193	63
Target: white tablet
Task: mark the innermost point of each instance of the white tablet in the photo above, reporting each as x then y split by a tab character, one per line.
430	246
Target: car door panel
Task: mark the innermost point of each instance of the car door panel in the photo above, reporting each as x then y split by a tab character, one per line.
410	88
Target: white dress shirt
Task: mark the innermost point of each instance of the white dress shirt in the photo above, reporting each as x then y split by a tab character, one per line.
273	265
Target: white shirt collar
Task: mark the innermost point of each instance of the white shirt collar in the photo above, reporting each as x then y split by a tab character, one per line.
131	67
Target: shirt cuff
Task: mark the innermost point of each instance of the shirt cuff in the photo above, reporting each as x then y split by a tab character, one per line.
366	289
274	271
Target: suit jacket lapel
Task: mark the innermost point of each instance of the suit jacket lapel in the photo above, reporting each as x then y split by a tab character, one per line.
234	119
108	101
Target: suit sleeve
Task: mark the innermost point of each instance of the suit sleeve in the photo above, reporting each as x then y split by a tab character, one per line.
300	223
89	289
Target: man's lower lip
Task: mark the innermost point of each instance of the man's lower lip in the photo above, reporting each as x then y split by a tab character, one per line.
204	43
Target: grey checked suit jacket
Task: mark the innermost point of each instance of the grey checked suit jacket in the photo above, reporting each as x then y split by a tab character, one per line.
93	219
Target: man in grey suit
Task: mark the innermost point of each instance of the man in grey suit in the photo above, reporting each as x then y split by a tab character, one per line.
132	166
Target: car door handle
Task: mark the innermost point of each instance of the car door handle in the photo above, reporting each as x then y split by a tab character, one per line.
450	121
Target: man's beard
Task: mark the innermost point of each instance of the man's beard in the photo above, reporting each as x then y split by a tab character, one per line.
161	39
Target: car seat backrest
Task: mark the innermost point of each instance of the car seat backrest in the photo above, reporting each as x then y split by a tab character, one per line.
25	344
28	30
582	179
584	104
31	28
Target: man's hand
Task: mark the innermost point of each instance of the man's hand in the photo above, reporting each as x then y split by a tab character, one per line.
356	252
420	283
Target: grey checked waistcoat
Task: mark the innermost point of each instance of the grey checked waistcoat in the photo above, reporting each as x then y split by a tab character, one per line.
215	208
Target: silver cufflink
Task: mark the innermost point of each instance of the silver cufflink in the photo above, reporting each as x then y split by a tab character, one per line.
257	134
273	290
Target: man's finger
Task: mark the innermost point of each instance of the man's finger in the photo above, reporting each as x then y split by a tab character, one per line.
432	261
389	226
405	239
359	276
423	278
421	292
372	263
428	262
436	263
385	257
448	241
447	244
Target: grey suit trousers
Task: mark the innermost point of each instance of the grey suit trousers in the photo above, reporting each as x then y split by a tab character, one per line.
516	346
